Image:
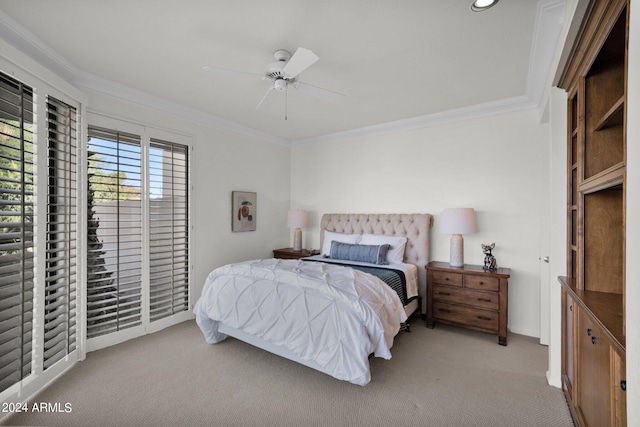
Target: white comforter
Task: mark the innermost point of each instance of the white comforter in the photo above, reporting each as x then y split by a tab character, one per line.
332	315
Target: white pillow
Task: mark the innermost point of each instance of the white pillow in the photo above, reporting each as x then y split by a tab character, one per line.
330	236
395	255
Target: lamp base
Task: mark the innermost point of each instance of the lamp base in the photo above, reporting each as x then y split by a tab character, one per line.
456	251
297	239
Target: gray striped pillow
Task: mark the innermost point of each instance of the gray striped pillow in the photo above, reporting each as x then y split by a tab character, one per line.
373	254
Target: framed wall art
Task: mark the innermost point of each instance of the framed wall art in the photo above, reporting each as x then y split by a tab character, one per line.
243	210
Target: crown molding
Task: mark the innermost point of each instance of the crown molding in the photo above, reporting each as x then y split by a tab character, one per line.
549	24
33	47
450	116
104	87
545	47
26	42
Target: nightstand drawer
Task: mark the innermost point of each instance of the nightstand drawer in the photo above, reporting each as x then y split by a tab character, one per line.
480	282
451	279
471	317
487	300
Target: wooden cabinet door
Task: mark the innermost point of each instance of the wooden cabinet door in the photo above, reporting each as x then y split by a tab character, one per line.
620	390
567	343
594	374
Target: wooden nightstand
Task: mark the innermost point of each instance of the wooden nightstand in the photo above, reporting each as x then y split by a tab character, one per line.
289	253
468	296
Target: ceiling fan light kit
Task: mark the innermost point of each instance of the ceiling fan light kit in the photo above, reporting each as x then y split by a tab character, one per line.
284	71
280	84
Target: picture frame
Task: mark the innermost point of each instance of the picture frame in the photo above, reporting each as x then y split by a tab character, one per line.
243	211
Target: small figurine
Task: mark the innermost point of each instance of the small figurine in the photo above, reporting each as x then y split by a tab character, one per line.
489	259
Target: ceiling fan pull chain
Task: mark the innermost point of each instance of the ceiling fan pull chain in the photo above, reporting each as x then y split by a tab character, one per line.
286	97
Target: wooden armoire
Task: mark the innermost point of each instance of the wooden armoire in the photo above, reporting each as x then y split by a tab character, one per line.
593	292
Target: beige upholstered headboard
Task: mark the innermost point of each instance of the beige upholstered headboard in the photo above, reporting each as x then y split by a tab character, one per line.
415	227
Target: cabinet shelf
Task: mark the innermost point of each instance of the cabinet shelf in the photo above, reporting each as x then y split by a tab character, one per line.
613	117
609	178
604	307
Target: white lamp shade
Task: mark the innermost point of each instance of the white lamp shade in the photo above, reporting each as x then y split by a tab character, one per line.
297	219
458	221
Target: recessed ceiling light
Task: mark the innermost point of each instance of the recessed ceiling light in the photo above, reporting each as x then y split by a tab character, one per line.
481	5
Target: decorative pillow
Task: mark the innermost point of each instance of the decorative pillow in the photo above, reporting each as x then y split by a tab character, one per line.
373	254
395	255
330	236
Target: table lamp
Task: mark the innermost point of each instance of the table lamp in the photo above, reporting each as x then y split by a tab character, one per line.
457	221
297	219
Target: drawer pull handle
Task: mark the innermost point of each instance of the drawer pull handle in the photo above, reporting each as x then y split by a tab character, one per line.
570	308
444	310
589	331
484	318
484	300
480	283
444	293
623	385
593	340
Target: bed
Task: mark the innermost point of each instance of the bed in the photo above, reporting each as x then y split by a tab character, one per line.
317	312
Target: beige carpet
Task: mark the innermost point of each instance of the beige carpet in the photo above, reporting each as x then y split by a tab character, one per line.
441	377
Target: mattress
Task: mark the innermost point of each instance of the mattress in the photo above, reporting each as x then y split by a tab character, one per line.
330	317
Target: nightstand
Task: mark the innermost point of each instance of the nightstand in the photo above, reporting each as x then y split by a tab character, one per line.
468	296
289	253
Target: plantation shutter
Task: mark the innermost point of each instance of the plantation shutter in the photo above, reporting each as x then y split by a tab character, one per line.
114	259
60	271
16	230
168	229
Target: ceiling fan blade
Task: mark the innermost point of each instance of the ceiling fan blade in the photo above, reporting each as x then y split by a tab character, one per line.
326	94
234	72
268	99
300	61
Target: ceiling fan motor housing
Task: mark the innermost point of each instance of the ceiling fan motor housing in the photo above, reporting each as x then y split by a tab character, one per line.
274	69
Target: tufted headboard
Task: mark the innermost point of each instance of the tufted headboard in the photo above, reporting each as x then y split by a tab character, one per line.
415	227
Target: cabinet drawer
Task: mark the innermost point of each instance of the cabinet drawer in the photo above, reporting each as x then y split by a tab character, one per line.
475	318
481	282
451	279
488	300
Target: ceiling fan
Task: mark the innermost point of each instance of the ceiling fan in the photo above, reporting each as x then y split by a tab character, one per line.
283	73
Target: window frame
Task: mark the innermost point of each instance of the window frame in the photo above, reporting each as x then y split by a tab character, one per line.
46	84
147	133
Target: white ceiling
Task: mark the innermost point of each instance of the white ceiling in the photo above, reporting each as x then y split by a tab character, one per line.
394	60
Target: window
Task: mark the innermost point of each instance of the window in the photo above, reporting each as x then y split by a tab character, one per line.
168	229
60	271
114	232
129	233
16	230
137	234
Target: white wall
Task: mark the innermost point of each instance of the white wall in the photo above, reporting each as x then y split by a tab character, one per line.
497	165
222	162
558	229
